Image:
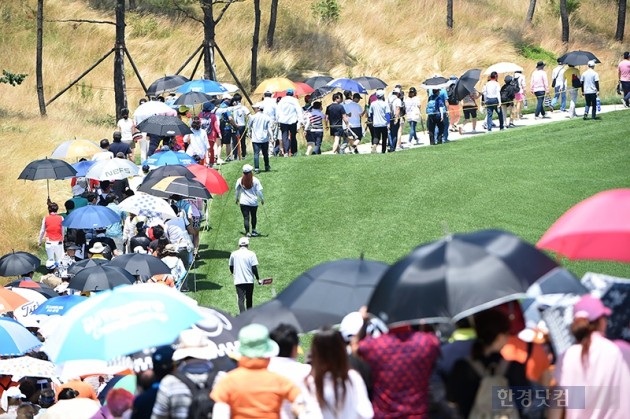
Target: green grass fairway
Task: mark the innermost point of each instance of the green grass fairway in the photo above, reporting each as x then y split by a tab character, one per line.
329	207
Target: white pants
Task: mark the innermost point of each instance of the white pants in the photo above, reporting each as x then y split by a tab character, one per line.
54	250
143	144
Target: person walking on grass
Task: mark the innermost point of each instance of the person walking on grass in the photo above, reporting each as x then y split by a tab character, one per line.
624	78
248	191
492	96
559	86
244	268
539	87
470	107
289	114
380	115
412	109
572	80
590	89
260	131
336	119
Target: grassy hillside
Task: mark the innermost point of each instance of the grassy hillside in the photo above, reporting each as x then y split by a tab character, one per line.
398	40
330	207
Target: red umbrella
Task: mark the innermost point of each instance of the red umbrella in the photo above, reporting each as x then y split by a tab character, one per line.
211	178
597	228
301	89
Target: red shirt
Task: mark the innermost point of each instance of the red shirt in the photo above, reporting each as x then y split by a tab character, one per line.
54	230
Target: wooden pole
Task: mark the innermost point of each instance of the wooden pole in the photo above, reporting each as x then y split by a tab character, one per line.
135	69
120	94
238	82
189	59
201	55
39	58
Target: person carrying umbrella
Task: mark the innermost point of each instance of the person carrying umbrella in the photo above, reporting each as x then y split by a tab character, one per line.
244	266
248	191
572	76
52	230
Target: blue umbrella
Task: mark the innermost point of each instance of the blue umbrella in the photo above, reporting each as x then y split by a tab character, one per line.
348	84
58	305
91	216
82	167
164	158
122	321
209	87
15	339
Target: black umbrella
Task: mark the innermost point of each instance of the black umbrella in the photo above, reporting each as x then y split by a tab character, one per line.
371	83
318	81
466	83
320	92
576	58
165	84
47	169
273	313
220	327
100	278
192	98
18	263
457	276
557	281
85	263
435	82
182	186
164	125
160	173
141	264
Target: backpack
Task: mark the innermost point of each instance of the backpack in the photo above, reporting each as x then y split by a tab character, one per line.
205	118
491	377
575	81
508	93
433	105
452	99
224	122
201	404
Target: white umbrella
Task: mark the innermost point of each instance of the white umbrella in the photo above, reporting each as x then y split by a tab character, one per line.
112	169
148	206
27	366
503	67
231	88
151	108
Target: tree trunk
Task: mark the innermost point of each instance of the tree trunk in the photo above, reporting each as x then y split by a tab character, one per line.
530	11
449	14
132	4
209	68
621	21
273	16
255	41
120	88
564	18
38	59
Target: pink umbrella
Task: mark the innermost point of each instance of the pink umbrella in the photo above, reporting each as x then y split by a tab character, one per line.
597	228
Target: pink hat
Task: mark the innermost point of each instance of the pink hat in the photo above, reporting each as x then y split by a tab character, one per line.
590	308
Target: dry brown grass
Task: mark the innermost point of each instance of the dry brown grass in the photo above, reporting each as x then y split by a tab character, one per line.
401	41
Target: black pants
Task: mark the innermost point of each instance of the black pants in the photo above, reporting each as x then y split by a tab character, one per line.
248	212
434	121
289	144
154	142
380	133
264	149
244	294
591	101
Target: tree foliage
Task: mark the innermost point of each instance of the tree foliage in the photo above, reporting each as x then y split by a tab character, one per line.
327	10
13	79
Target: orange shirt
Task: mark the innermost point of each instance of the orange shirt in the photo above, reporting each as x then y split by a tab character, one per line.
85	390
252	391
54	230
516	350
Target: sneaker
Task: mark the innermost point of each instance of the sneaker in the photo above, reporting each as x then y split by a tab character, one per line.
256	171
585	117
460	130
623	102
255	233
511	125
484	125
248	235
268	169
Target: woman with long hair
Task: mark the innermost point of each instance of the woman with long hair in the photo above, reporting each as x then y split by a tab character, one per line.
595	366
333	390
248	192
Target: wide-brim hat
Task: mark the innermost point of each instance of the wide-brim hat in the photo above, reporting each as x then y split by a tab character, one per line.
254	342
170	249
193	343
97	248
540	64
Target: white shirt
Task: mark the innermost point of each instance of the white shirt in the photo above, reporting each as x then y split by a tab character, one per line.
103	155
197	143
412	108
492	90
289	110
270	108
354	111
242	260
249	197
589	77
379	110
125	126
240	113
356	404
294	371
558	75
260	127
396	104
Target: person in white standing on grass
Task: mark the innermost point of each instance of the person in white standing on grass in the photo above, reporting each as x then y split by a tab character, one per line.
248	191
260	130
590	89
412	109
289	114
559	86
241	113
197	141
244	267
354	112
126	126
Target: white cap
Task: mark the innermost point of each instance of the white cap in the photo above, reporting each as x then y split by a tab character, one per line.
243	241
351	325
396	90
380	93
591	63
247	168
258	105
227	96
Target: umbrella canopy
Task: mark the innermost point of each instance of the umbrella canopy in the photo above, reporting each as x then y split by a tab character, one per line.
321	92
436	82
82	167
75	149
141	264
301	89
576	58
112	169
220	327
164	125
466	83
192	98
231	88
557	281
26	283
276	84
457	276
211	178
27	366
166	84
10	300
47	169
127	382
273	313
91	216
163	158
318	81
122	321
151	108
348	84
615	294
86	263
370	83
503	67
162	172
209	87
323	295
597	228
31	296
182	186
100	278
15	339
18	263
58	306
148	206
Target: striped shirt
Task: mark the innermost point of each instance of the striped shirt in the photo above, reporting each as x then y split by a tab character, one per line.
315	121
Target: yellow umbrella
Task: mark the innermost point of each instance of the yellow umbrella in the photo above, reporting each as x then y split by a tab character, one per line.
75	149
276	84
